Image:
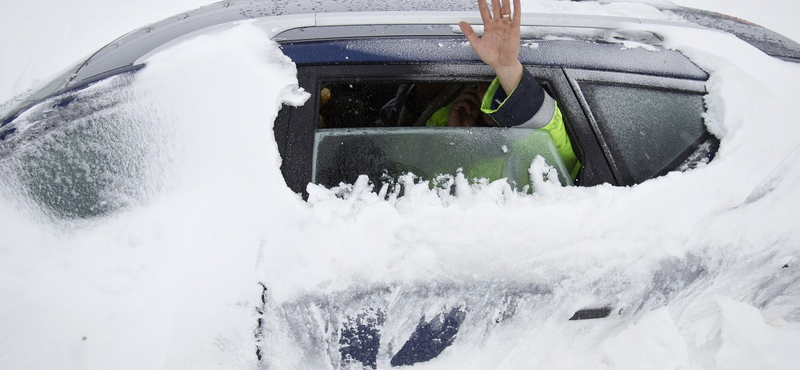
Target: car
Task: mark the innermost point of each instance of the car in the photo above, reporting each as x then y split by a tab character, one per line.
633	109
578	59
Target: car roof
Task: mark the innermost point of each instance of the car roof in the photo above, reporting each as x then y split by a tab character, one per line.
557	53
280	17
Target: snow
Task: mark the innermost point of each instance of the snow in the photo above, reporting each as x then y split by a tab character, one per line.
654	342
45	37
777	15
701	267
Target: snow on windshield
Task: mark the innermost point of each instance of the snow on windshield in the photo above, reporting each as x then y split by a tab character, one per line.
701	268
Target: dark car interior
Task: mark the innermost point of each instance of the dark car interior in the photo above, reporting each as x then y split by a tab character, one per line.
384	104
390	104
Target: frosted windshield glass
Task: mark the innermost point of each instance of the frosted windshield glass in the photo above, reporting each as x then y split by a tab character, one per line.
341	155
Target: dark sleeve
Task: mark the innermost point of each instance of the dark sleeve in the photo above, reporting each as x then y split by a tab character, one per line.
527	106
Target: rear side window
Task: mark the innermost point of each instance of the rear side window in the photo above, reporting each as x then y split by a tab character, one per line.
648	131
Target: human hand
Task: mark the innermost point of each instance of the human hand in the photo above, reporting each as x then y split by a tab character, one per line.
464	111
499	45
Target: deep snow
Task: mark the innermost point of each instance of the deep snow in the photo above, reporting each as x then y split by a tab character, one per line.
702	267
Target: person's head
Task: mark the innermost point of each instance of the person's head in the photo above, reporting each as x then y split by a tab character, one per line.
466	109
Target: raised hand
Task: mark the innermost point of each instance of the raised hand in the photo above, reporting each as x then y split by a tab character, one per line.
499	45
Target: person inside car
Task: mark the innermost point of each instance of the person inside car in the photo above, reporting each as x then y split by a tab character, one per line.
514	98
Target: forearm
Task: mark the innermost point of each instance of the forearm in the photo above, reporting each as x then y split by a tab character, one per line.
509	76
528	106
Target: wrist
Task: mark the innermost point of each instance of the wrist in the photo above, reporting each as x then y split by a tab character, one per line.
509	76
513	66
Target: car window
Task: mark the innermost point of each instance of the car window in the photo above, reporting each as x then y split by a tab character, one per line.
387	129
384	154
386	104
647	130
360	97
84	154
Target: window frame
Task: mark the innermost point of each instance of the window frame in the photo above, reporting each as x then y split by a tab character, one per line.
295	126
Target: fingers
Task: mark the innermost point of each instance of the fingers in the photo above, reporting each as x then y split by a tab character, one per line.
469	98
517	12
501	9
486	16
506	10
496	10
462	114
482	88
470	95
469	109
468	32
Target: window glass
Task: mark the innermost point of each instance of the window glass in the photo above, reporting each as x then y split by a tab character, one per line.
85	154
648	131
341	155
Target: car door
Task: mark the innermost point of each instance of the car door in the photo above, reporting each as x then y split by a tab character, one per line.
297	128
631	114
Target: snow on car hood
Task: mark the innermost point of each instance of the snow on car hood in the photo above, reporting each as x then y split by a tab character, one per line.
701	268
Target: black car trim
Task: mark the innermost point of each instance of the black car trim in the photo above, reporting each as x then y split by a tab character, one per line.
698	86
595	168
595	129
709	138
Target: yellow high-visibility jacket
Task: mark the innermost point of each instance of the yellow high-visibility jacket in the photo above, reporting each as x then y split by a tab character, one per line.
527	106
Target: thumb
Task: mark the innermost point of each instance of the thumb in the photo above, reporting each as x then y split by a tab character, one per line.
468	32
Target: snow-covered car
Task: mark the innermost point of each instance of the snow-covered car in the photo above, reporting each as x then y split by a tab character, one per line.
634	111
633	108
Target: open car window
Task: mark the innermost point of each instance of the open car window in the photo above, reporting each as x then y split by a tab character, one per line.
387	104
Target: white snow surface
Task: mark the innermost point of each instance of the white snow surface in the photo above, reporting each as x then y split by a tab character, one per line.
41	38
701	267
777	15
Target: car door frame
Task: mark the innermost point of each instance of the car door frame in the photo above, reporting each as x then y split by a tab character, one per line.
295	126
